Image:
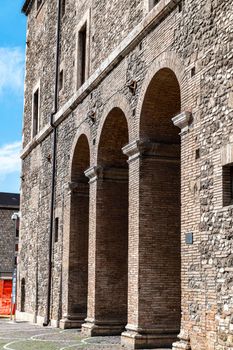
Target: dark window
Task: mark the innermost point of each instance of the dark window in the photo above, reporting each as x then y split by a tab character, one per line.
82	39
228	185
193	71
36	112
152	3
15	260
16	247
17	229
56	229
63	7
38	4
61	80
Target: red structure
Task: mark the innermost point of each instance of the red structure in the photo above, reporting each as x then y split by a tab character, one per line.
5	297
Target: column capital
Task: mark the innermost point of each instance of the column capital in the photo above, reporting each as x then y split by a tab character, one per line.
156	150
94	173
183	120
133	149
107	174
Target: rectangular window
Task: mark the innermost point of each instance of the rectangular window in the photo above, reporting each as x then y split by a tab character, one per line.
61	80
17	229
82	55
227	185
38	4
152	3
63	7
56	229
35	113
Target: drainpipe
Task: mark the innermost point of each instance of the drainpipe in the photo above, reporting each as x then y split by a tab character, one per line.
47	317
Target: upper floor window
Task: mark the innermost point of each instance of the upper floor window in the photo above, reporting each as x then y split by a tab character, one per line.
61	80
56	229
82	43
63	7
82	58
38	4
35	112
152	3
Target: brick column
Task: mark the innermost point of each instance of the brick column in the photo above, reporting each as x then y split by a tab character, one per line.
75	267
108	243
154	245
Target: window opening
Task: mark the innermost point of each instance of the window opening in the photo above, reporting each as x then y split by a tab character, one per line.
38	4
35	112
63	7
228	185
56	229
61	80
82	39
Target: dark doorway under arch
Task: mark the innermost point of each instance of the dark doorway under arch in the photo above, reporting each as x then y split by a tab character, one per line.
112	225
79	227
160	211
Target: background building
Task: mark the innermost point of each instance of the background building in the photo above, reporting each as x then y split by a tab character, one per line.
9	235
127	170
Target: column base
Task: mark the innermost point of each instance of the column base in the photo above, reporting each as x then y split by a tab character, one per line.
72	321
144	339
184	343
180	345
97	328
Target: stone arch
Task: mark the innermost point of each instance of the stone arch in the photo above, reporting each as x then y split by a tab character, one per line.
118	101
167	60
161	103
84	129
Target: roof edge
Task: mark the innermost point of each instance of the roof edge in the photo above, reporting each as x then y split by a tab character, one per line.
26	6
9	207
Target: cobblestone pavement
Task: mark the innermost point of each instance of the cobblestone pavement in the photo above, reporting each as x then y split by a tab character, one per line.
25	336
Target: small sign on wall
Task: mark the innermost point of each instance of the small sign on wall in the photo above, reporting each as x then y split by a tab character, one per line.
189	238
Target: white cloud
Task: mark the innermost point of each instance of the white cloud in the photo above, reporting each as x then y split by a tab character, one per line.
11	69
10	159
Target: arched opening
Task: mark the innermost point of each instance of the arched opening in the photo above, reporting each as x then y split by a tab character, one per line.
79	227
23	292
112	225
160	217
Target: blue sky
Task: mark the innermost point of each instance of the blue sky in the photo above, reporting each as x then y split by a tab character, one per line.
12	57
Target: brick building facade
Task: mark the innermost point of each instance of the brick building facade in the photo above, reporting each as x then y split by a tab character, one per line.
127	170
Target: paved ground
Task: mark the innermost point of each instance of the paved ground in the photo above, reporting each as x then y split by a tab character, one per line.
24	336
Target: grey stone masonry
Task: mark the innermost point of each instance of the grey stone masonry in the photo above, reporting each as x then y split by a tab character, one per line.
9	204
